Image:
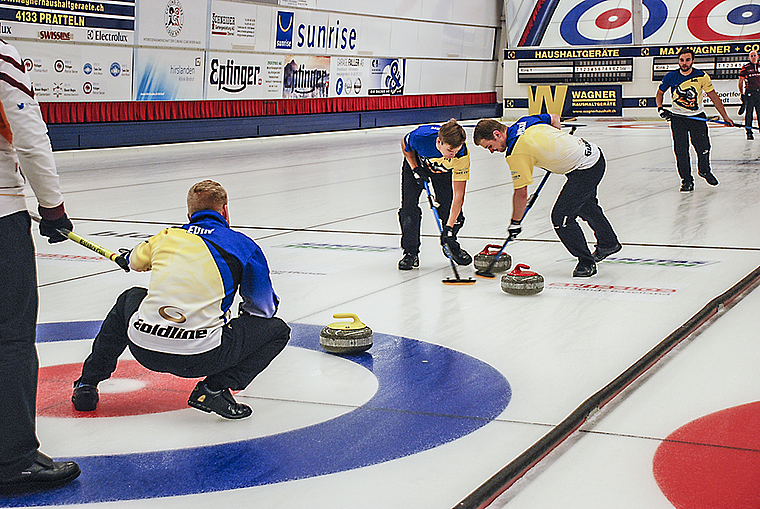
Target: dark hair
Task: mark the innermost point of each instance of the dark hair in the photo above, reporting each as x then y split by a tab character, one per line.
686	50
485	128
452	134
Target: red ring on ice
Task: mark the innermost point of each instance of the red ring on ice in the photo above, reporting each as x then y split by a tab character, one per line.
614	18
698	26
713	461
159	392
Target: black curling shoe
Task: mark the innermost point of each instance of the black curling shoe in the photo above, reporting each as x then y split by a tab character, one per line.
584	269
85	397
409	262
43	474
600	253
220	402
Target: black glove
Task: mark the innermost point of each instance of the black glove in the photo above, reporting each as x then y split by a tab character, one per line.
123	259
49	227
744	104
514	228
666	114
420	175
448	236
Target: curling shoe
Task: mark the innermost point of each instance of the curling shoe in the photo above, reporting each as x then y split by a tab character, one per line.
409	262
687	187
749	135
43	474
600	253
220	402
459	255
85	397
584	269
710	178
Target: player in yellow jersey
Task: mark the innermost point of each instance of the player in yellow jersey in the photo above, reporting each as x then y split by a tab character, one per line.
537	140
183	323
686	86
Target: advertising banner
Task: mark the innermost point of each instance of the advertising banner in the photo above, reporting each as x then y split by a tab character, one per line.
576	101
355	76
177	23
306	77
315	32
68	72
596	100
91	21
168	75
728	92
244	76
233	25
386	76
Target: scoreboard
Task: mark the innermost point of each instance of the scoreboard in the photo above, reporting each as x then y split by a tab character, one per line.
584	70
718	67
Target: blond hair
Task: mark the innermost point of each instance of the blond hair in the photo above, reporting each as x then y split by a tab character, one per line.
206	195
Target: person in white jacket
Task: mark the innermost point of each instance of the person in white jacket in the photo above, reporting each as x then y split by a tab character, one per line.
25	157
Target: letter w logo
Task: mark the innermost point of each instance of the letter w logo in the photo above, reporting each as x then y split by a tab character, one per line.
542	95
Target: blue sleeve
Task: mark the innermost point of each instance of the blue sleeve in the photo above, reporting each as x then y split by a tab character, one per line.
256	288
665	84
545	117
410	140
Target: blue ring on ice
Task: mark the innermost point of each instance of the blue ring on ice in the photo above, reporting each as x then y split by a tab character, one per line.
427	395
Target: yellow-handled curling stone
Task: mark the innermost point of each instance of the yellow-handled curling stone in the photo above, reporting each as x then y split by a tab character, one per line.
346	337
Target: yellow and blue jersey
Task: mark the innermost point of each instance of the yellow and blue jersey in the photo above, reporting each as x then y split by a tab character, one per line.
422	141
686	91
533	141
195	272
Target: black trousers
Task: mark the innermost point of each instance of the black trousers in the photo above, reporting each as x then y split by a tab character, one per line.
578	199
684	128
752	106
18	353
410	214
249	344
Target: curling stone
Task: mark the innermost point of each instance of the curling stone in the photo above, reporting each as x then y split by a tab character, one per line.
521	281
484	258
346	337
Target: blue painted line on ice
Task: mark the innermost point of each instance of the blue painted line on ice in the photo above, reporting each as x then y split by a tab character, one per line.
427	395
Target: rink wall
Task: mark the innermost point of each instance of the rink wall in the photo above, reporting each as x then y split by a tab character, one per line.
130	70
267	121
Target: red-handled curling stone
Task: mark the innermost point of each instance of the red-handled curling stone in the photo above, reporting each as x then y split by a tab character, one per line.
483	259
521	281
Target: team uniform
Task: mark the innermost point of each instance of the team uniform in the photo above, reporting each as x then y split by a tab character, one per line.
25	156
751	73
532	141
686	92
441	171
182	323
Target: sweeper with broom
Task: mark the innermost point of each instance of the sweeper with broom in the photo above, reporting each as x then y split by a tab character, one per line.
538	140
438	155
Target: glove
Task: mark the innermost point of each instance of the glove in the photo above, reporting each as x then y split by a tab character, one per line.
420	175
123	258
448	236
514	228
53	220
744	104
666	114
